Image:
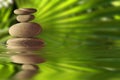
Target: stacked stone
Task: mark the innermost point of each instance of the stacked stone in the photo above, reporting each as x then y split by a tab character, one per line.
24	32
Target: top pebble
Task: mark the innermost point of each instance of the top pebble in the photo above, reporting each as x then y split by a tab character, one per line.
24	11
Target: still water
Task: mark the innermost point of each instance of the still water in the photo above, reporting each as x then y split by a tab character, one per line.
75	62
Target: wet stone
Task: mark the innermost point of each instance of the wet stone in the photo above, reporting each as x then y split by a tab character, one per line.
25	42
24	11
25	18
26	29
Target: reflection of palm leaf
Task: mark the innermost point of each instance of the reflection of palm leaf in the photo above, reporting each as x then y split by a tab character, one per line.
6	70
80	35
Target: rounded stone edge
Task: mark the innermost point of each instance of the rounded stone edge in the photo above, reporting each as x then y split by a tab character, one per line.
13	34
32	17
24	11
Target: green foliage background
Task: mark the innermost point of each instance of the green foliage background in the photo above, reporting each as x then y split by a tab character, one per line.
82	37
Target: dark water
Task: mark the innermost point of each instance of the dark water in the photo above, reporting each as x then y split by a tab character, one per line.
73	62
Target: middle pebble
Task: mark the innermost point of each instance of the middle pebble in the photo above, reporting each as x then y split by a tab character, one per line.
25	18
24	30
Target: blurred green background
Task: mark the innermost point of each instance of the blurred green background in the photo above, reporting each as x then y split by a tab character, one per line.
82	38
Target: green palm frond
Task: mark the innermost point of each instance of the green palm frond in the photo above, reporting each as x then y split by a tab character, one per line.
82	18
6	19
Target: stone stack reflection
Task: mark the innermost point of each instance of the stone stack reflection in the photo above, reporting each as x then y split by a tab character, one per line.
29	66
25	42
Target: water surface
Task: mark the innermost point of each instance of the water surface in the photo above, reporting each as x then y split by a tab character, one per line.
68	63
